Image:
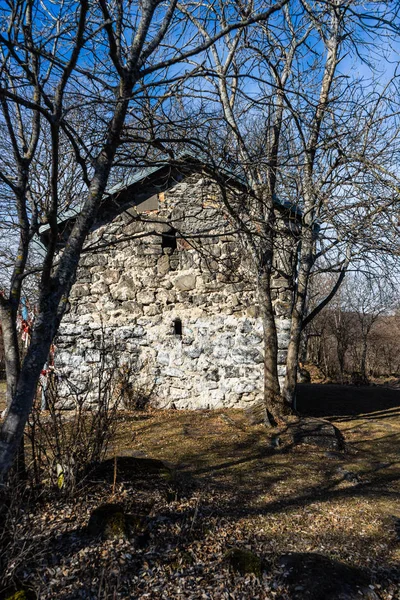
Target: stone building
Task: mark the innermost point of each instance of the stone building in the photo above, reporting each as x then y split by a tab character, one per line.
163	283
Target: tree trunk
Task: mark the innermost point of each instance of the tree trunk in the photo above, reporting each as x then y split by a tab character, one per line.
11	351
275	406
21	404
298	314
363	362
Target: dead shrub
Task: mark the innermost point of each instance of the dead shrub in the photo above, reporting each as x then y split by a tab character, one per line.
64	443
135	393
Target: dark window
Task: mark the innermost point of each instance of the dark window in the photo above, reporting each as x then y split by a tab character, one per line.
178	327
168	240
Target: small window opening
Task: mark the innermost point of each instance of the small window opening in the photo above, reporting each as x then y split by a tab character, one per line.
178	327
168	241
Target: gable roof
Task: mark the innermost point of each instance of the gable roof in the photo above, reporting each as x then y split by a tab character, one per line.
141	174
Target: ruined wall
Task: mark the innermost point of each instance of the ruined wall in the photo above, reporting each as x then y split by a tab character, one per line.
188	313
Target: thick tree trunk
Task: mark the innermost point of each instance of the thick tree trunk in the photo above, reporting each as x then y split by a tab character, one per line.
13	368
298	314
275	407
11	351
21	404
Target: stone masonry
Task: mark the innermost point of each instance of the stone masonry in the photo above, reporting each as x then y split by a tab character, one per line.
164	282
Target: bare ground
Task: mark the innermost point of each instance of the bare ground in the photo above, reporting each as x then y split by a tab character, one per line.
231	488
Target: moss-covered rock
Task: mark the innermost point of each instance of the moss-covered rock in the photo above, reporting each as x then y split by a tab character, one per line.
316	432
129	468
137	524
108	521
244	562
21	595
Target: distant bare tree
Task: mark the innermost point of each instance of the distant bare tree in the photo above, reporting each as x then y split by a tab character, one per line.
352	330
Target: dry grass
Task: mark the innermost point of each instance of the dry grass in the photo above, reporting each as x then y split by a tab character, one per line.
304	499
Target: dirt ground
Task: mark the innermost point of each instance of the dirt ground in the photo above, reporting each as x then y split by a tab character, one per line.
234	487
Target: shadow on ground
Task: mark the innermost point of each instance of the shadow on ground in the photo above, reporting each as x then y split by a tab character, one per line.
319	400
232	484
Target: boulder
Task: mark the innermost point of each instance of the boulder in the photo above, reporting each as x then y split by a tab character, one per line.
128	468
109	522
312	576
316	432
244	561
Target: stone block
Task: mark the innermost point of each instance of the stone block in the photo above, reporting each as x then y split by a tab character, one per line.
92	260
163	358
246	356
132	309
243	387
79	290
245	326
177	393
193	352
163	265
185	283
283	339
166	296
145	297
123	292
253	311
144	261
173	372
284	324
220	351
152	250
232	372
152	310
110	276
92	356
99	288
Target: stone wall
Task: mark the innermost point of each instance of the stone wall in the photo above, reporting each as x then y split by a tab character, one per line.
187	314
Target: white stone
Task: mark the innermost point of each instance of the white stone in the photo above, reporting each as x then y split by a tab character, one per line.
185	283
244	387
145	297
172	372
193	352
177	393
163	358
220	351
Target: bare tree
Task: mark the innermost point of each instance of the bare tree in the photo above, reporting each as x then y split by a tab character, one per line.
286	119
76	71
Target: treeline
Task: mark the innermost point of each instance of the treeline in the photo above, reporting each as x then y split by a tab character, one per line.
356	338
336	345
